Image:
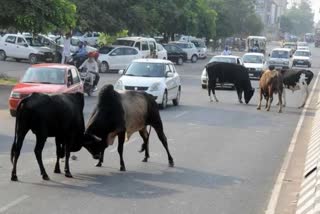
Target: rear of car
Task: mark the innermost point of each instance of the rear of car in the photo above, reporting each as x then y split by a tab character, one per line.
190	49
254	62
280	58
175	54
201	47
302	58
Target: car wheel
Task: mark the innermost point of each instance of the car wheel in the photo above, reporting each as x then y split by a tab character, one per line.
180	61
194	58
164	103
33	59
177	100
104	67
3	56
203	86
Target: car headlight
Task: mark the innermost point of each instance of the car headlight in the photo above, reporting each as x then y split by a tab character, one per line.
119	85
15	95
155	86
204	73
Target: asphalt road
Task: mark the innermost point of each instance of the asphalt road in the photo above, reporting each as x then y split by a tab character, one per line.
227	158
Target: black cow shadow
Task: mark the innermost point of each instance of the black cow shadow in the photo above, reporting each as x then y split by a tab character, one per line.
138	185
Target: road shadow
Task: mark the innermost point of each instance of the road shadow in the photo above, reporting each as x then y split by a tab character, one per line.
137	185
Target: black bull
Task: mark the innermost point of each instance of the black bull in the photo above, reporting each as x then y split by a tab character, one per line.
231	73
121	114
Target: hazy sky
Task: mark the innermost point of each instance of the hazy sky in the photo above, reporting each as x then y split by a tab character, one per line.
315	6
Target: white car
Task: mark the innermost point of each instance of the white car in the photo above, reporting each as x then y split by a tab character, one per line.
202	48
302	45
302	58
74	44
157	77
161	52
146	46
90	37
117	57
219	58
190	49
254	62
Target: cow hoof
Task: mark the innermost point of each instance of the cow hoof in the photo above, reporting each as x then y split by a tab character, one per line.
280	111
241	102
68	175
259	108
268	109
145	160
99	164
14	178
122	169
45	177
171	164
57	171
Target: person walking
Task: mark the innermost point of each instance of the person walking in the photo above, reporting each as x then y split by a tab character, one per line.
66	48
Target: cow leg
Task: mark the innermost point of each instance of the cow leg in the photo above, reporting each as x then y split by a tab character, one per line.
284	97
121	139
99	164
270	95
15	152
38	152
239	92
67	172
280	101
305	88
145	146
59	150
260	100
211	88
163	139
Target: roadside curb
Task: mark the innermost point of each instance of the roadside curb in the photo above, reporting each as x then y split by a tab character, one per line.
309	196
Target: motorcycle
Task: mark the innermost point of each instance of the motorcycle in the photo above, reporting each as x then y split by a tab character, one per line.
87	79
76	61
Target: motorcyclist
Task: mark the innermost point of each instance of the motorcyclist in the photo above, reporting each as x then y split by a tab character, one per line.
226	51
81	53
92	67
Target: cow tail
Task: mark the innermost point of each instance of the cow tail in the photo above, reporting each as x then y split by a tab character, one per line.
14	144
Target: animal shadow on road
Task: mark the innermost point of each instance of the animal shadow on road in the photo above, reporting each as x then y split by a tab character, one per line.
139	185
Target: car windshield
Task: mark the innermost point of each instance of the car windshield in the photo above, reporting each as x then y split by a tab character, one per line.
34	42
181	45
252	59
199	44
289	46
302	53
280	54
44	75
105	50
124	42
146	69
224	59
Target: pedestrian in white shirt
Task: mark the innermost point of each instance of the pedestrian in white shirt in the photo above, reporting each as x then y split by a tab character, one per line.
66	48
92	67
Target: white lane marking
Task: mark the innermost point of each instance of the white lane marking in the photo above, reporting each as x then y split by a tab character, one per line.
13	203
181	114
277	187
125	144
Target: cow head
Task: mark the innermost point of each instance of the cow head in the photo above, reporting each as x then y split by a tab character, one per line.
93	144
248	95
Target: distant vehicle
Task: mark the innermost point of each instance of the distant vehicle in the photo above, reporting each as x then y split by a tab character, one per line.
190	49
202	48
175	54
147	46
117	57
309	37
254	62
220	58
317	37
290	45
162	52
257	44
280	58
45	78
157	77
90	37
302	58
20	47
302	45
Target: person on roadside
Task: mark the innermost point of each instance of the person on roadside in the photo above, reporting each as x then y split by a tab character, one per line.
66	48
92	67
226	51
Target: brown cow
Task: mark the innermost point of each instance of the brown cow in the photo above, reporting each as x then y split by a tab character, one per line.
271	82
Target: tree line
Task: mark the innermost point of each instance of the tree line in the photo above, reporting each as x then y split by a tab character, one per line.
211	19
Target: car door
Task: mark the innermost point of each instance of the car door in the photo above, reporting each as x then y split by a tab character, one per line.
74	82
115	58
175	53
176	81
130	54
23	50
170	82
10	46
145	49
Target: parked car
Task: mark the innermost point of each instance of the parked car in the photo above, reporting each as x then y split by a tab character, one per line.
254	62
302	58
190	49
219	58
74	44
157	77
161	52
202	48
117	57
50	43
280	58
20	47
147	46
175	54
90	37
45	78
